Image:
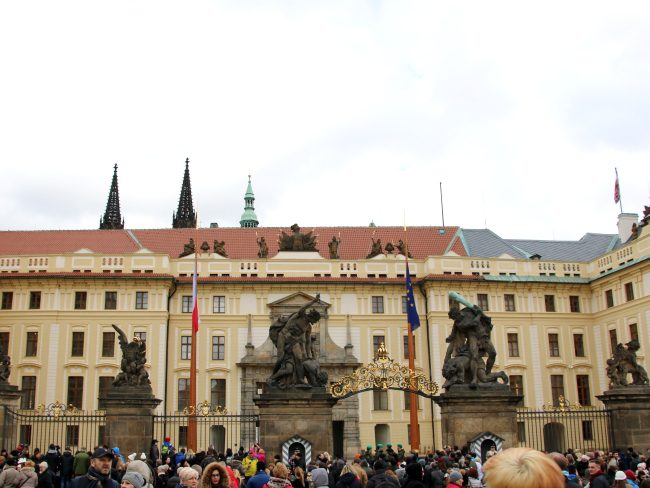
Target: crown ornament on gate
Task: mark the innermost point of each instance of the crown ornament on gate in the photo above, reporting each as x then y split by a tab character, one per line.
562	406
383	374
204	408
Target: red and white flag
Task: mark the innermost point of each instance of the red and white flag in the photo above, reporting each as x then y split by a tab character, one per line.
195	302
617	190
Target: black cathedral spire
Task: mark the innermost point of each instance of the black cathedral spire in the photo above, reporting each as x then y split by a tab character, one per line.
185	217
112	217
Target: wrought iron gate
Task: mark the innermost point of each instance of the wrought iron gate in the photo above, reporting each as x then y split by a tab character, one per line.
559	429
214	427
58	424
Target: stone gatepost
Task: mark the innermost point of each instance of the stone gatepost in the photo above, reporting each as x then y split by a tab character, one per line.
129	418
467	413
630	416
9	399
295	413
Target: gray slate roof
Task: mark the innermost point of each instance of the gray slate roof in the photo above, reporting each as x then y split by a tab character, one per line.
485	243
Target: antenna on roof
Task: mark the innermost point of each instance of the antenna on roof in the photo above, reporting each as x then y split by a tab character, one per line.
442	206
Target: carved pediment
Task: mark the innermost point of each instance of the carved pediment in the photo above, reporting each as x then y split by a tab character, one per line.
293	302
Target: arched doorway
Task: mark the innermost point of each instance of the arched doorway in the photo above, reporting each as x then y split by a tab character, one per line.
554	437
218	437
382	434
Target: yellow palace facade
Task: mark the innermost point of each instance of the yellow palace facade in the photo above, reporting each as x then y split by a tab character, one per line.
558	309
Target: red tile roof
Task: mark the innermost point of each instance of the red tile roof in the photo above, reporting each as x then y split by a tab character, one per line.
241	243
42	242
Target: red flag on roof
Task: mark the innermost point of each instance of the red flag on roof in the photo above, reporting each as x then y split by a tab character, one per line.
195	302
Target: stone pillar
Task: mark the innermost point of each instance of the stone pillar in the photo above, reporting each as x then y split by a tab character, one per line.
129	418
630	416
467	413
9	399
285	414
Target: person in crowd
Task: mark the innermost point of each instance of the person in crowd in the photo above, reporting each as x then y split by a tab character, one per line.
99	472
9	475
27	476
320	478
348	478
414	476
563	463
522	466
298	480
361	474
249	464
132	479
81	463
143	469
215	475
187	477
67	463
455	479
280	478
260	478
597	478
45	476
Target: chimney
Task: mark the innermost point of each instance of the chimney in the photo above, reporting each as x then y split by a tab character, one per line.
625	221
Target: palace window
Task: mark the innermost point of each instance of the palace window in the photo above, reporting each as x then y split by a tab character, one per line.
579	345
4	342
110	300
28	387
513	345
582	382
404	304
34	300
7	300
516	384
407	401
574	303
108	344
406	347
218	348
379	400
183	393
509	302
218	392
554	345
613	340
75	391
482	301
609	298
218	304
549	303
31	349
140	335
186	347
634	332
141	300
557	388
629	291
77	344
105	383
377	340
377	304
80	299
72	435
187	304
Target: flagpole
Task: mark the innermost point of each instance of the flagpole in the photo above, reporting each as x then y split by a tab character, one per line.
618	189
191	437
413	407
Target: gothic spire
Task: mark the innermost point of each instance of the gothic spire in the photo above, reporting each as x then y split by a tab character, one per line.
112	217
185	217
248	218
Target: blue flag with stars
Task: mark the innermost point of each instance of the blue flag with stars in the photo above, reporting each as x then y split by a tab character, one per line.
411	310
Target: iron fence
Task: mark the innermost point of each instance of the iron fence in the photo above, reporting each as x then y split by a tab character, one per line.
56	424
215	428
585	428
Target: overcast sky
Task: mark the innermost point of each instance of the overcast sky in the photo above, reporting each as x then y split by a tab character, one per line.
343	112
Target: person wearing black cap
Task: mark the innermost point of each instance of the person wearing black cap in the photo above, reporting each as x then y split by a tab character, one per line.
99	473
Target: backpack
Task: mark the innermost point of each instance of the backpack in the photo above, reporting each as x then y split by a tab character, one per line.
165	449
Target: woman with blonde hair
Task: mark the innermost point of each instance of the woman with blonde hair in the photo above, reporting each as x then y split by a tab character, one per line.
348	478
298	478
522	466
215	476
27	478
361	474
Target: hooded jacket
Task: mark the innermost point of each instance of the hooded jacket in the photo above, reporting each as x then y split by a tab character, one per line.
278	483
224	480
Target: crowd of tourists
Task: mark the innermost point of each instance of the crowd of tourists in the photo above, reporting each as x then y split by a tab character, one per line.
380	467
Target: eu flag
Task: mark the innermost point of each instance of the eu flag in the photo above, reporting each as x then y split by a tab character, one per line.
411	310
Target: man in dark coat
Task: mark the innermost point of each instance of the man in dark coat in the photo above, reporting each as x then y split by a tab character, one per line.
380	476
67	461
99	473
597	478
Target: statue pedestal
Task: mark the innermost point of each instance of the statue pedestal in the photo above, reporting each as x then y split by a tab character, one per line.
630	416
9	398
295	415
129	411
467	413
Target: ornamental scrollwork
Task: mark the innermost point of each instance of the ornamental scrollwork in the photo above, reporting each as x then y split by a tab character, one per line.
205	408
383	374
562	406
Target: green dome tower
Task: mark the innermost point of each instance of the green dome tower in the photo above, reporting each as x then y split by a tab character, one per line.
248	218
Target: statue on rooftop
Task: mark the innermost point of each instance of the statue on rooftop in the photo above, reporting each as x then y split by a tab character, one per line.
134	357
220	248
264	248
188	249
297	241
623	363
401	247
333	246
389	248
376	248
205	247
